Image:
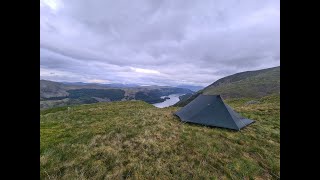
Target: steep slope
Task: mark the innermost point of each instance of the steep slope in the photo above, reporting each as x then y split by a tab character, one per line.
252	84
135	140
247	84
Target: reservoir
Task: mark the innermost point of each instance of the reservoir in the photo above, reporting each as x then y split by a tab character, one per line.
174	98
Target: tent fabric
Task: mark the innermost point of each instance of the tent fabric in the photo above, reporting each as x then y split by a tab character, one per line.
210	110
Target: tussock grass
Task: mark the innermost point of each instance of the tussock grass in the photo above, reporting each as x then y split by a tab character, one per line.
134	140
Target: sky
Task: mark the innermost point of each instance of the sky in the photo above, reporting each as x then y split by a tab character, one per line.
156	42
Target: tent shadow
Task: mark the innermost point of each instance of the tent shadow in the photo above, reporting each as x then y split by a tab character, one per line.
207	126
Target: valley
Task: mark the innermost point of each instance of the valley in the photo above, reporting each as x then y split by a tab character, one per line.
55	94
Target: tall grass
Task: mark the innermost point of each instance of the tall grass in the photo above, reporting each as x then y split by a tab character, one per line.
134	140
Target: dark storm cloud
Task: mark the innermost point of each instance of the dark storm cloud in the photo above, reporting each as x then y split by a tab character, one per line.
157	41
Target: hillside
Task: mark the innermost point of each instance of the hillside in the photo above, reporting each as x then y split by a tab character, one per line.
135	140
55	94
249	84
50	89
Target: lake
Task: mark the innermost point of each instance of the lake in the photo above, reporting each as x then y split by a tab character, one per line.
174	98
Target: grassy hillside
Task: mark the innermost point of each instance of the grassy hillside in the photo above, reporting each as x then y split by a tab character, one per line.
247	84
250	84
135	140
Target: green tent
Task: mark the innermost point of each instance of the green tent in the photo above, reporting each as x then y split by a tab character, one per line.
210	110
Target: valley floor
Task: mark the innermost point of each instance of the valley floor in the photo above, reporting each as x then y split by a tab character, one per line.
136	140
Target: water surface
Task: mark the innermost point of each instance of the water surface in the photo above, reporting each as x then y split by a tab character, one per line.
174	98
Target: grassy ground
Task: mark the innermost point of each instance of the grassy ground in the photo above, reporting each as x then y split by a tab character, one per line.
134	140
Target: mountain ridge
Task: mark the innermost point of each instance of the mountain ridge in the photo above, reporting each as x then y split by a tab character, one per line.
247	84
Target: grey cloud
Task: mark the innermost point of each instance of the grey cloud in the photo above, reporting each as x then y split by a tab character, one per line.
193	42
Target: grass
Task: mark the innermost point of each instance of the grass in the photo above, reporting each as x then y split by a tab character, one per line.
247	84
134	140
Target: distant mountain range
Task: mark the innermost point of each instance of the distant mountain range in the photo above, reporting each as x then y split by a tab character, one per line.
192	88
112	85
251	84
54	94
119	85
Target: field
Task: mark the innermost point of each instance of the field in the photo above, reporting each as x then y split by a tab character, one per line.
135	140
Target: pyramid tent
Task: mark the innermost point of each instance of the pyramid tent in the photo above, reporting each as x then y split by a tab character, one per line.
210	110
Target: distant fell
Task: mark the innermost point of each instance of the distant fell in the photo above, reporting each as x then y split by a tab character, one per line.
49	89
249	84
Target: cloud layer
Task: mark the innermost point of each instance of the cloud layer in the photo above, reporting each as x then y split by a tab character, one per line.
160	42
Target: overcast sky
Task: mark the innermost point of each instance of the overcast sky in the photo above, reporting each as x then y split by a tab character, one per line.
163	42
